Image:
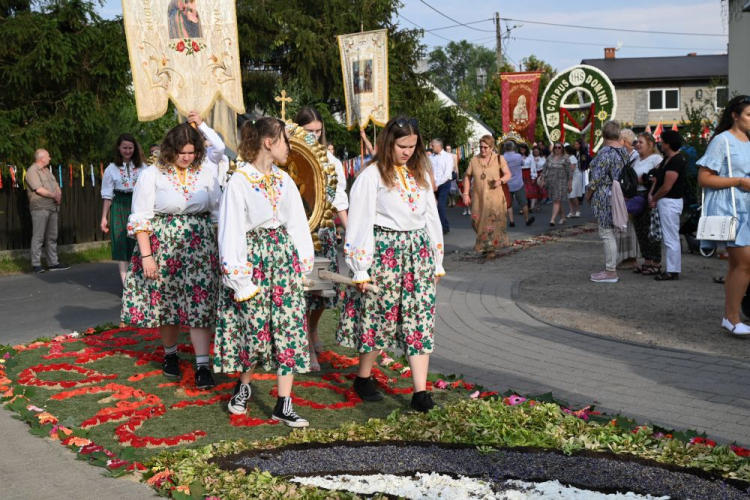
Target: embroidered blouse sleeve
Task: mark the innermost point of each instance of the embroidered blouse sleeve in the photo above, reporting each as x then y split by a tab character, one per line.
144	200
216	145
108	184
237	271
297	226
434	231
341	201
360	240
214	198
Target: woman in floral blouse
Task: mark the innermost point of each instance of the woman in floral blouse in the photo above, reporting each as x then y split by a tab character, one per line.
173	277
265	247
117	191
395	241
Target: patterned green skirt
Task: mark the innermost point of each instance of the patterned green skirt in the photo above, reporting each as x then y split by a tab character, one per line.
328	242
270	328
184	248
402	315
122	246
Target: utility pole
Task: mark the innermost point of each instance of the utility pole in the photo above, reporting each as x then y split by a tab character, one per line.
499	41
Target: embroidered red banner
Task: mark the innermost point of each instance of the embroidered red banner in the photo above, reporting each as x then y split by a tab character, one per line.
520	92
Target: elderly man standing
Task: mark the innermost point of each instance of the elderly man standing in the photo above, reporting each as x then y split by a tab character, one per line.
44	202
517	189
442	170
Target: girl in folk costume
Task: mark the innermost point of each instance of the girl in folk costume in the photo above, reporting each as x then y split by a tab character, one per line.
311	120
118	183
395	241
265	247
174	274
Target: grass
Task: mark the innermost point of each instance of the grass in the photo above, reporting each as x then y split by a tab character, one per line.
17	265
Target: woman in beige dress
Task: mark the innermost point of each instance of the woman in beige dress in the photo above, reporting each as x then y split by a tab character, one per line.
489	172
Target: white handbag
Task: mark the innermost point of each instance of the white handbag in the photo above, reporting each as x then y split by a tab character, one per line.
718	227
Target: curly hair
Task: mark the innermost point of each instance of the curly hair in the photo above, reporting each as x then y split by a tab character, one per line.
252	135
176	139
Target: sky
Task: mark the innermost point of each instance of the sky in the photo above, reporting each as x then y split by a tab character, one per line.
564	46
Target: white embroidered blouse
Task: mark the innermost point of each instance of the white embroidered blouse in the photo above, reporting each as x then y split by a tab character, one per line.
341	200
120	179
162	192
252	200
405	207
215	148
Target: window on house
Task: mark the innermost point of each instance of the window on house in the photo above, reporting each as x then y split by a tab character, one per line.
722	97
664	100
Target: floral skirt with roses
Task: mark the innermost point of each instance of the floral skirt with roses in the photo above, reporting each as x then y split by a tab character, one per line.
270	328
327	237
184	249
402	315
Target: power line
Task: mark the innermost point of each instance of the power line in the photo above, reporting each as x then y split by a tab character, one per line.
458	22
611	45
418	26
609	29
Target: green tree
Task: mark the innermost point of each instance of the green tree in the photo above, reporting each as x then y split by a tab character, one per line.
454	69
64	76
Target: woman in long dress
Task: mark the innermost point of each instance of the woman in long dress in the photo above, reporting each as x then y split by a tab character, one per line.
265	247
577	183
118	184
488	205
395	240
557	180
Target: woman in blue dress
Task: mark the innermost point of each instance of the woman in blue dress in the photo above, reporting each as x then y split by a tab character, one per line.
732	138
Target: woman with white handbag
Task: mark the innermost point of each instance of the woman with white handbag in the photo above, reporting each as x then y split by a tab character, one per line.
723	174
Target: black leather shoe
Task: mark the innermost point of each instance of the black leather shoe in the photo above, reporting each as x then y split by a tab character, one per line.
530	221
367	389
422	401
667	277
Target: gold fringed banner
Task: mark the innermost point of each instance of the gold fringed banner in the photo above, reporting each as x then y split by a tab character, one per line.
183	50
364	64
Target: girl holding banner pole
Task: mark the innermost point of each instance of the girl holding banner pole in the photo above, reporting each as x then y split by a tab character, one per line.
395	241
311	120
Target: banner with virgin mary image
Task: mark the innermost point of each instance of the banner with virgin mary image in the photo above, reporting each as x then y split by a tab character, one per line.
519	92
364	64
186	51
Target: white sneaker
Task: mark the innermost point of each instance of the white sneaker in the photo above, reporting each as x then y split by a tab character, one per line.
738	329
605	277
570	215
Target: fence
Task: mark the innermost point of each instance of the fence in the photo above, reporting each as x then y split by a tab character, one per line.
80	211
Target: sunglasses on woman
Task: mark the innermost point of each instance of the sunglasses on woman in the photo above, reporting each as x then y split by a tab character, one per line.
403	122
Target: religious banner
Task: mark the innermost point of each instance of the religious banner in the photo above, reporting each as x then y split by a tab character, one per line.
520	92
578	102
186	51
364	64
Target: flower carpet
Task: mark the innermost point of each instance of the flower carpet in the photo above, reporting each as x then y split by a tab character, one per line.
101	393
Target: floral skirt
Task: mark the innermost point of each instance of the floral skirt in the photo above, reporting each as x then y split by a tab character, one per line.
328	242
270	328
122	246
402	315
185	251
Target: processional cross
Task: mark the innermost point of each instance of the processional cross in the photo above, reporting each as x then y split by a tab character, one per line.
283	100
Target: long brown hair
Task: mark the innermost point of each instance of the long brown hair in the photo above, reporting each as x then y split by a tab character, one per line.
308	115
176	139
137	157
252	135
396	128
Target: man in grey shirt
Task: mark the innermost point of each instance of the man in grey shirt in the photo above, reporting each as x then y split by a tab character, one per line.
517	190
44	202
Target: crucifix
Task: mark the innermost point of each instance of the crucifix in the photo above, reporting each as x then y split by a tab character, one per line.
283	100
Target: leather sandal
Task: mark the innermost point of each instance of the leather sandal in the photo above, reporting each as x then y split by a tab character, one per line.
652	271
667	276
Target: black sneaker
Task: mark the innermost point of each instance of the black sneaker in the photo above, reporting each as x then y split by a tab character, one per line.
284	412
422	401
59	267
511	224
171	366
38	270
530	221
203	378
241	395
367	389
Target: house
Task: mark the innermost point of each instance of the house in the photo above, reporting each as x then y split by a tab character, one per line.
477	128
653	90
739	41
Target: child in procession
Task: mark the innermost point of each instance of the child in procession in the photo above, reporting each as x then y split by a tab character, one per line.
395	241
265	247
